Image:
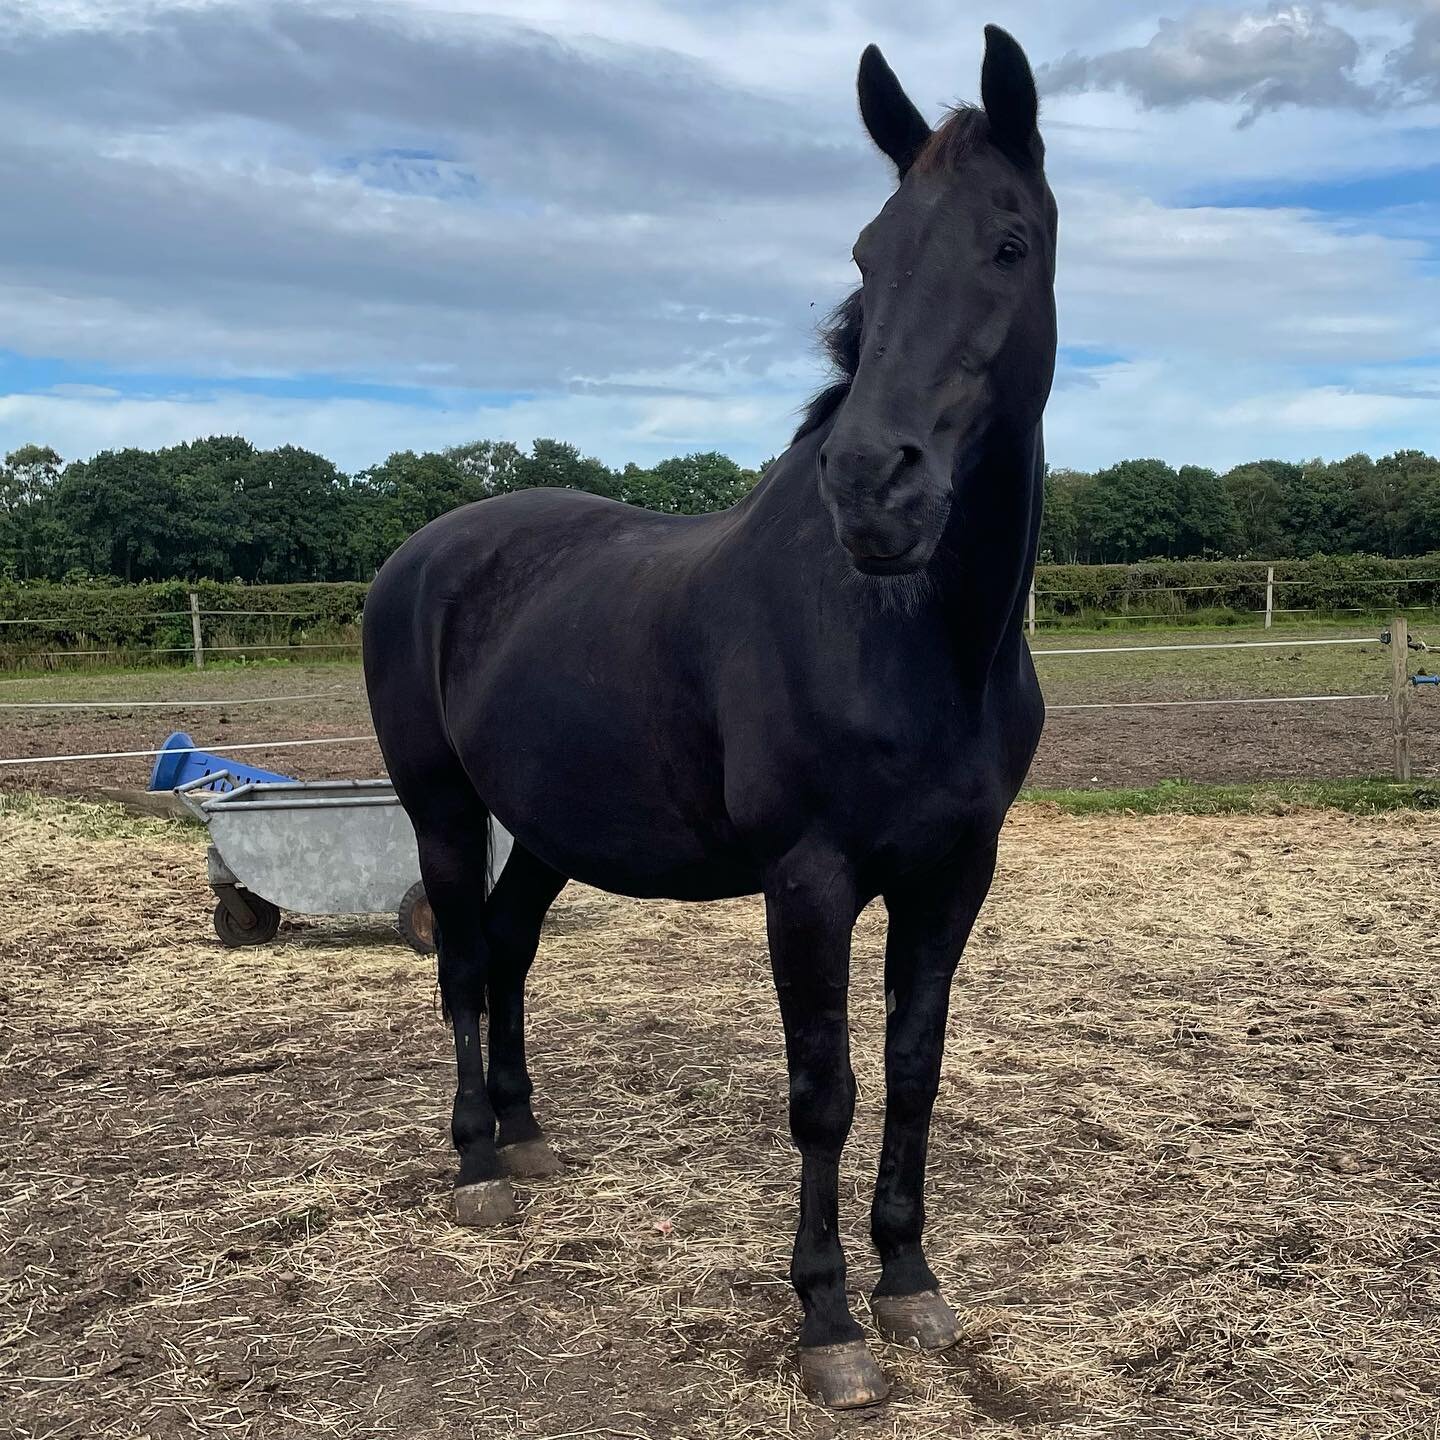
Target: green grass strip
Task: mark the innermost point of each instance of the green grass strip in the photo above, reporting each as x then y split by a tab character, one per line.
1181	797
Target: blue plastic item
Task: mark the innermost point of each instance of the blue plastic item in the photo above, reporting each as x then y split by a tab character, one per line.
172	769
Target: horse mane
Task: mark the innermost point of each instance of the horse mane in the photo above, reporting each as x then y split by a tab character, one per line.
840	335
950	143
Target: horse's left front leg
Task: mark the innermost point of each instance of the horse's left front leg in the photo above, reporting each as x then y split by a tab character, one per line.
930	921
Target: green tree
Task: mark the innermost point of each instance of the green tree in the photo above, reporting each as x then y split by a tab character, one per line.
402	494
293	512
1257	494
1422	498
1132	511
1408	483
1321	511
688	484
203	483
113	513
1061	539
27	530
558	463
1209	523
490	467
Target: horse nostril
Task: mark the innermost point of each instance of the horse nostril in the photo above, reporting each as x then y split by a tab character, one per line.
910	455
824	462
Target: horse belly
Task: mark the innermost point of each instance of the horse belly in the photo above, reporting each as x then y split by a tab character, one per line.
594	787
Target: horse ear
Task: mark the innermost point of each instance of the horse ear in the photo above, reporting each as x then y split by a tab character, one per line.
894	123
1007	87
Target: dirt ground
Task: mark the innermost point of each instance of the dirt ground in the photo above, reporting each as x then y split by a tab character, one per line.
1101	748
1184	1171
1080	748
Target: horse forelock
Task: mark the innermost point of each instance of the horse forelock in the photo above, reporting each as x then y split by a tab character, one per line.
953	140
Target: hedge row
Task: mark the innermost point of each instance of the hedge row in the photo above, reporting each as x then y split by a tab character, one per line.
148	618
136	619
1325	584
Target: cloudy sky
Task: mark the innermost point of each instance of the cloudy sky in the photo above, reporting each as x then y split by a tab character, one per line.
364	225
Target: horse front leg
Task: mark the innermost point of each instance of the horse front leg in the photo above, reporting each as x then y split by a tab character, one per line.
930	921
810	911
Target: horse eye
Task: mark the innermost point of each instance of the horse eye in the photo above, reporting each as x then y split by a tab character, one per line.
1010	253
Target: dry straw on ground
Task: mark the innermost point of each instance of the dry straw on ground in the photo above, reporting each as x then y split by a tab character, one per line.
1184	1182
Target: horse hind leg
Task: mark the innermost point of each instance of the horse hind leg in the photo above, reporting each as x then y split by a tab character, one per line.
452	833
514	913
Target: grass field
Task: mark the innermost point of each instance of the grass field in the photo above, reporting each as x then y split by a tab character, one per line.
1362	668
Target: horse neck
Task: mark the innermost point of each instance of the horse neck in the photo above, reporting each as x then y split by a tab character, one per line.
986	558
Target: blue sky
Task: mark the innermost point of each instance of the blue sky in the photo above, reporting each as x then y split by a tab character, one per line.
390	224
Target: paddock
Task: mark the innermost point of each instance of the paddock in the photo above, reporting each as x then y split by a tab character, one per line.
1182	1180
1142	713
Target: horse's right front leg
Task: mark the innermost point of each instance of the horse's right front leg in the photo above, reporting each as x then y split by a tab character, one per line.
810	911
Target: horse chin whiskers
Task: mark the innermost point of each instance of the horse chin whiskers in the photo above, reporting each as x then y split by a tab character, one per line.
903	595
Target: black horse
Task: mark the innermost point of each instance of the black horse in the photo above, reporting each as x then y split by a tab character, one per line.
822	695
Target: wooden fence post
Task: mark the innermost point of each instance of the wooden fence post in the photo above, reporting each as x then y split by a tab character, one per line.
1400	694
195	631
1269	596
1030	609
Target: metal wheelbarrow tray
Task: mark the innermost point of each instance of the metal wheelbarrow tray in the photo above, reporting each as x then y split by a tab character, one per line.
318	847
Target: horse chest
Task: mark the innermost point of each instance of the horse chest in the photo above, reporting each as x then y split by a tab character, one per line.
897	786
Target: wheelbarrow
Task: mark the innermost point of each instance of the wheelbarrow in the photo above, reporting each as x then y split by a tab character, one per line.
315	847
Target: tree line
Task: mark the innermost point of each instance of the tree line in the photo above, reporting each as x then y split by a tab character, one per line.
1264	510
222	509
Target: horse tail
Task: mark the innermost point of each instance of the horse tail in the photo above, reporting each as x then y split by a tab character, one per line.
451	821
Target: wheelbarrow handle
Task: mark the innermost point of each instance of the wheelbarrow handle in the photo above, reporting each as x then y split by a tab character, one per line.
200	782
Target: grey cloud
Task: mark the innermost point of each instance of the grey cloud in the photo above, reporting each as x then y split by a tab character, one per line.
409	199
513	305
1286	55
1415	67
597	125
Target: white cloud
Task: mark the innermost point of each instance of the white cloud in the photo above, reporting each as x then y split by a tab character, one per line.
356	433
1244	284
1192	414
634	214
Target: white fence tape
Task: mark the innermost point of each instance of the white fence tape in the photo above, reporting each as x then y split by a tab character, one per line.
1198	704
159	704
1216	645
188	750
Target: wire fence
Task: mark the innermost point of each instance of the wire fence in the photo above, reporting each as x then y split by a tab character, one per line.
219	631
183	703
1205	645
199	648
177	704
1204	704
1115	607
103	632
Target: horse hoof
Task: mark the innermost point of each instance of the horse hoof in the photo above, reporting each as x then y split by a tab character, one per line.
532	1159
924	1320
488	1202
842	1377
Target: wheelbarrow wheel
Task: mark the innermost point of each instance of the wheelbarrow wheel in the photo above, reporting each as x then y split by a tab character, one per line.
232	932
417	920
